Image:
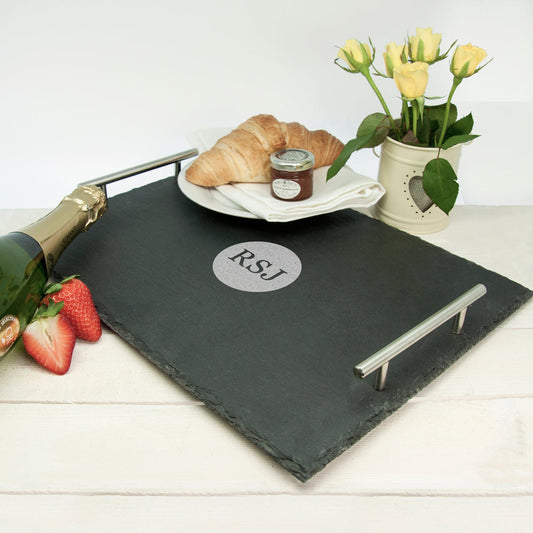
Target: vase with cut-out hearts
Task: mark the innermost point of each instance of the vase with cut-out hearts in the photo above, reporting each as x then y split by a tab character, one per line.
405	204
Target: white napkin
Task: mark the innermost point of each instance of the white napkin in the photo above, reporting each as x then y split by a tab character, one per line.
346	190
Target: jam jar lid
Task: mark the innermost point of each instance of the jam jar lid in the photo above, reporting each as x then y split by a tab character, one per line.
292	160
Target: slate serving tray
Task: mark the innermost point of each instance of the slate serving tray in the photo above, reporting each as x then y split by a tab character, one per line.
278	365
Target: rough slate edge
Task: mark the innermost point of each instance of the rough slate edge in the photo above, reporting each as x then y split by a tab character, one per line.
392	401
425	379
346	441
210	400
423	382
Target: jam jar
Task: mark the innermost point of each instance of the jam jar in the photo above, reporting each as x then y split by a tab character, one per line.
292	174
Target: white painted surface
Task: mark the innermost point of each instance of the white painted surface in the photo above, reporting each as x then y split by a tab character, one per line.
89	88
114	445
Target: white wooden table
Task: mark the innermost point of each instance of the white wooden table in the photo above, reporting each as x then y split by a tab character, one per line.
115	445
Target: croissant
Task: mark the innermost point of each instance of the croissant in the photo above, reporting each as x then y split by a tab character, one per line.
244	154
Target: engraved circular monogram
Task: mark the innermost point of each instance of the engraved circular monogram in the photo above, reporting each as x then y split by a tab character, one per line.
257	266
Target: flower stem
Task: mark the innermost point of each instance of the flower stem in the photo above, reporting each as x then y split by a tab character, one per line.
415	116
366	73
455	84
405	112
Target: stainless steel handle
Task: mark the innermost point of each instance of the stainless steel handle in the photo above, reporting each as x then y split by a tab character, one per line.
139	169
380	360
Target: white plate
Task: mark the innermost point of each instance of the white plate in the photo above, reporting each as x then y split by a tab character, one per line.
348	181
210	198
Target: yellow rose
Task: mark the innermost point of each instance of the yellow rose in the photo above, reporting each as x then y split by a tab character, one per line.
425	45
411	79
356	54
466	59
394	56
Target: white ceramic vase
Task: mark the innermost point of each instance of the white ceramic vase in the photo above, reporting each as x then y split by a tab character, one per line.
405	204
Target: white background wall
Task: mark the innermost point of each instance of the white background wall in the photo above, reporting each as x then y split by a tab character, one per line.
91	87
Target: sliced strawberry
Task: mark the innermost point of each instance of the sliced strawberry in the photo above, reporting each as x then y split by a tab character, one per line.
50	339
78	307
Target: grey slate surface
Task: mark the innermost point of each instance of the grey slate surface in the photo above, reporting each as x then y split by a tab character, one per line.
278	365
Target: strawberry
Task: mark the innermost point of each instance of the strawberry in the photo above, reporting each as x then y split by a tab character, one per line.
78	307
50	339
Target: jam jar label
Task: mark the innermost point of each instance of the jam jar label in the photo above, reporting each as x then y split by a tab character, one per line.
257	266
9	332
286	189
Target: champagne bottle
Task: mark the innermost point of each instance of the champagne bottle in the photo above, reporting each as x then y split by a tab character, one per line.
27	257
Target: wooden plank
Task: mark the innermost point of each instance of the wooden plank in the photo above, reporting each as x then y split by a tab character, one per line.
265	514
495	237
111	371
432	447
116	444
500	365
106	371
523	318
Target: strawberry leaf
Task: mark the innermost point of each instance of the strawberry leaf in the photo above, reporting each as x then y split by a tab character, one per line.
70	277
52	287
48	310
56	287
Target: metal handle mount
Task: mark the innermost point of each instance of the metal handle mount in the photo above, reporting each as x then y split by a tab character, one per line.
380	360
139	169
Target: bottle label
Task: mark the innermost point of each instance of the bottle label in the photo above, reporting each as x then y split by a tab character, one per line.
9	332
286	189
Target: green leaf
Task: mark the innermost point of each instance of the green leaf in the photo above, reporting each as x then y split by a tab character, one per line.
437	112
48	310
457	139
462	127
349	148
440	183
377	125
424	132
55	287
434	128
436	115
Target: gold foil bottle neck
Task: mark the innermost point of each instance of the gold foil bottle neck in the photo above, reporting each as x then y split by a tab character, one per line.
90	199
74	214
